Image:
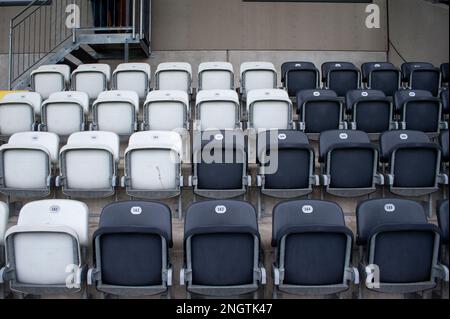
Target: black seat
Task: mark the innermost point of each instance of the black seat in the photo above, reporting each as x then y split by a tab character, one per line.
422	76
442	214
313	248
382	76
400	248
341	77
132	249
444	101
299	76
444	73
443	141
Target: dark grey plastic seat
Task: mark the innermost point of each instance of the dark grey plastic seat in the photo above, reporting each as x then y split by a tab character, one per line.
444	101
419	110
413	163
382	76
220	164
371	111
442	214
422	76
444	72
313	248
344	152
341	77
443	141
319	111
400	248
299	76
222	249
131	249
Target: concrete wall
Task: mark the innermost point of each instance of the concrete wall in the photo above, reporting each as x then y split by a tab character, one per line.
418	31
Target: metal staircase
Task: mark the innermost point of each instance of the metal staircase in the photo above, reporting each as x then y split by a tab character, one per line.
74	32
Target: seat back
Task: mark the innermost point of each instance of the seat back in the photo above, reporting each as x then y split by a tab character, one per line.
166	110
132	77
257	75
18	112
444	101
444	72
174	76
341	77
299	76
422	76
217	109
92	79
442	214
381	76
48	79
443	141
269	109
215	76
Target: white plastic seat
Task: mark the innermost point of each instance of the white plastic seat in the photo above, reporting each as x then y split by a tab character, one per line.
4	216
89	164
18	112
65	113
132	77
166	110
48	79
217	109
116	111
269	109
45	250
174	76
91	79
215	76
257	75
28	162
153	165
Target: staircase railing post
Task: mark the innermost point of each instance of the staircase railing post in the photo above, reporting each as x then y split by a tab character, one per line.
134	19
10	57
141	19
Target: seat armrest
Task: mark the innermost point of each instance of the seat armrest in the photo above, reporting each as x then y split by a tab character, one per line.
442	179
259	180
389	179
379	179
441	271
352	275
325	179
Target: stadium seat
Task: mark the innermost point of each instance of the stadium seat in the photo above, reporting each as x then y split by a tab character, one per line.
313	249
116	111
286	165
65	113
399	249
46	251
299	76
215	76
132	77
381	76
89	165
92	79
220	164
445	102
18	112
442	214
174	76
444	73
153	165
217	109
269	109
131	249
341	77
419	110
257	75
49	79
319	111
422	76
413	163
4	217
344	152
222	249
443	141
28	163
371	111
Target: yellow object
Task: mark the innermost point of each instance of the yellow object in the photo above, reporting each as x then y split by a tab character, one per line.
3	93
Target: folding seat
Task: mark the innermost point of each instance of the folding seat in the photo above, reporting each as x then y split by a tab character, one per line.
419	110
443	141
257	75
319	111
65	113
116	111
46	250
220	164
222	249
286	167
48	79
341	77
174	76
412	163
399	249
442	214
92	79
371	111
269	109
313	249
153	165
215	76
28	164
422	76
217	109
381	76
131	249
299	76
444	73
18	112
132	77
344	152
444	101
89	165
